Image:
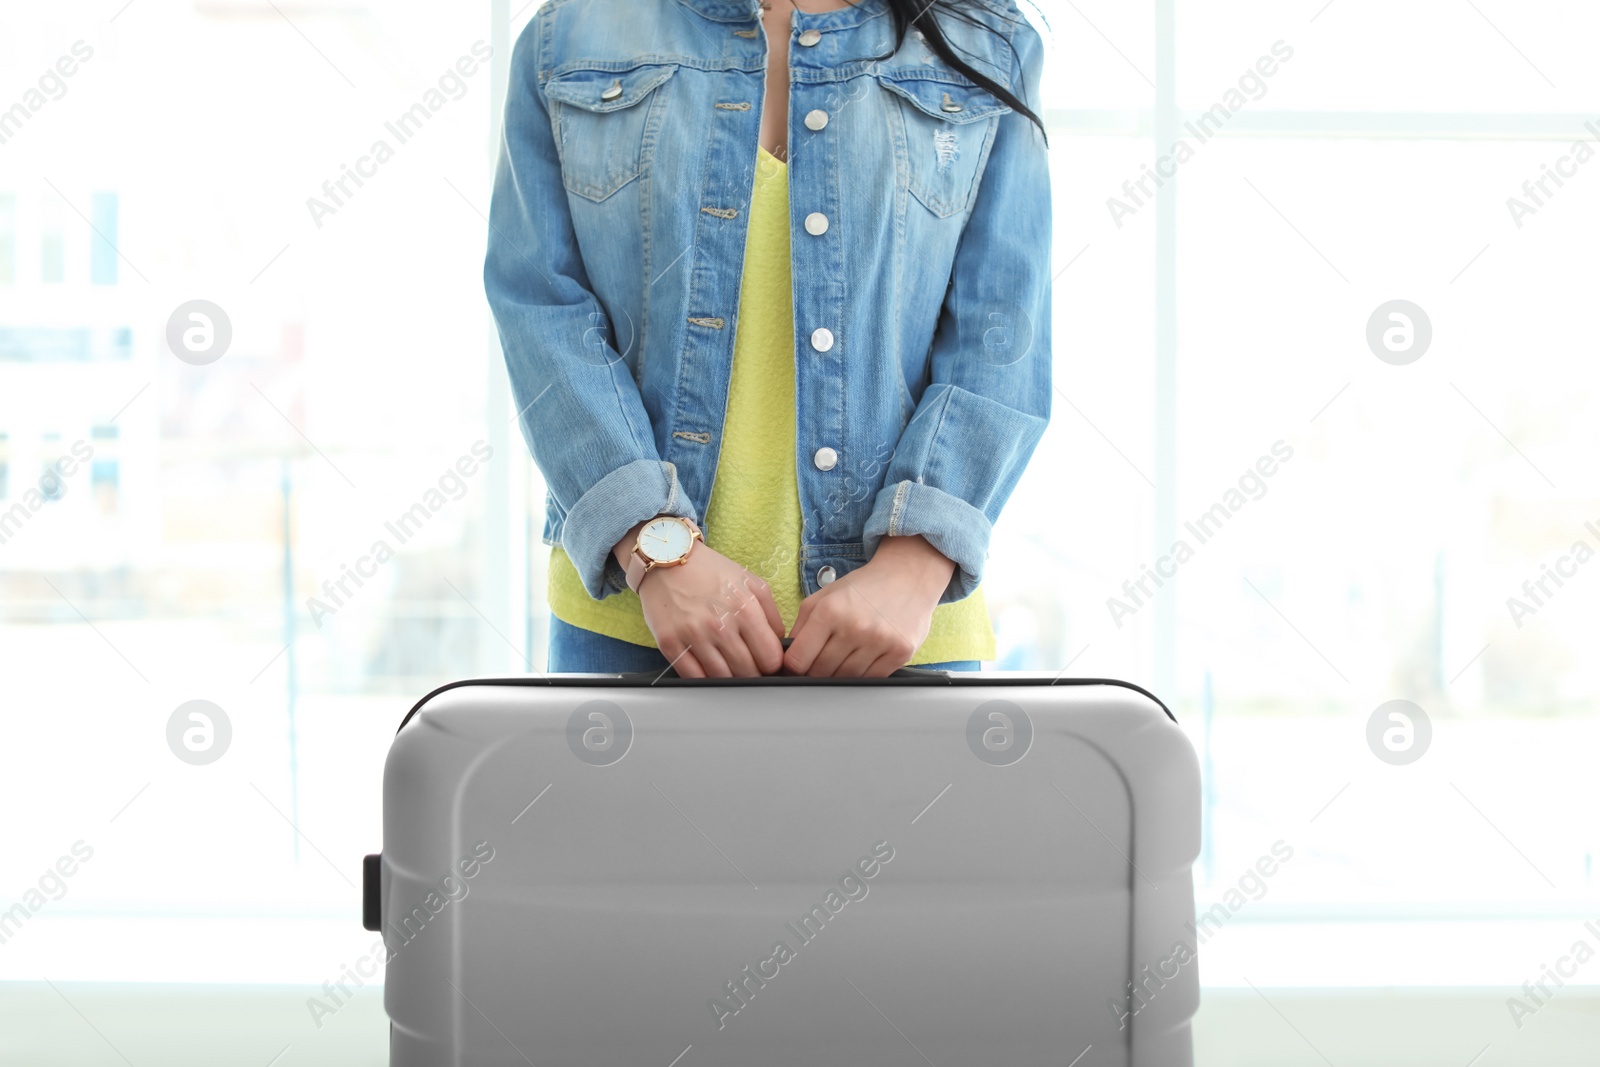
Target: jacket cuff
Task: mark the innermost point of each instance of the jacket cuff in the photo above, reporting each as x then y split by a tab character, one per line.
611	507
950	524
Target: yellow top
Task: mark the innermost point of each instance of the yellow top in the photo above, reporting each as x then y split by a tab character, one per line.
753	516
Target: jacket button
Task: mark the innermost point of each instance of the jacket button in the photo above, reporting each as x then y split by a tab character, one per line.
949	104
810	37
817	119
612	91
825	459
822	341
816	224
826	575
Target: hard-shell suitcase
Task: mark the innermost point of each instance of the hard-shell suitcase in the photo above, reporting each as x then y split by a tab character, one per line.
930	870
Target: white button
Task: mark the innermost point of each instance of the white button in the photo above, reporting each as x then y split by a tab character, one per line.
822	339
826	575
816	224
825	459
817	119
810	37
612	91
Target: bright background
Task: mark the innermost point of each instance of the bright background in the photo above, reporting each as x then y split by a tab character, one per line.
1376	165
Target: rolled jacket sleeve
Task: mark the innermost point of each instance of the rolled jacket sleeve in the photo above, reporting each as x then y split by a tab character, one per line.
580	408
987	400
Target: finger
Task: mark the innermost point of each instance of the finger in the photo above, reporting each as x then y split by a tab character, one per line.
765	646
769	606
883	666
711	659
682	660
735	653
855	665
757	603
805	644
722	616
832	655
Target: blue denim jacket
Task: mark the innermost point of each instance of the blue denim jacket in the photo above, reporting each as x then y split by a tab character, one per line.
920	229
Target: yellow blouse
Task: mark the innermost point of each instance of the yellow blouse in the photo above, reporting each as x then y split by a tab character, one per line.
753	516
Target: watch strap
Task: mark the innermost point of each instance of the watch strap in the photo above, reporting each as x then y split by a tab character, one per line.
639	565
637	569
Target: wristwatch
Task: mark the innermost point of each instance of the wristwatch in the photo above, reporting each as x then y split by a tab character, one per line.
664	541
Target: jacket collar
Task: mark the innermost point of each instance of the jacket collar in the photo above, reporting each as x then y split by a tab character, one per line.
750	11
726	10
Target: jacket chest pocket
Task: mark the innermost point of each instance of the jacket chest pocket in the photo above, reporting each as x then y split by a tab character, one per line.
602	119
947	128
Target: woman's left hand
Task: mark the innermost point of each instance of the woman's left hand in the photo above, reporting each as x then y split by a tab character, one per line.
870	622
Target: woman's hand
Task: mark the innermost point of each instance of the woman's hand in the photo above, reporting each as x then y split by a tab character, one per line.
712	618
870	622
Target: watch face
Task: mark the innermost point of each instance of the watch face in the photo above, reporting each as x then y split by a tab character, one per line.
665	540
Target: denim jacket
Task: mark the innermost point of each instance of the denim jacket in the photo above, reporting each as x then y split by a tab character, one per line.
919	211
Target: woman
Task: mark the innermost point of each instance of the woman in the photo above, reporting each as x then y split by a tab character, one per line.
778	331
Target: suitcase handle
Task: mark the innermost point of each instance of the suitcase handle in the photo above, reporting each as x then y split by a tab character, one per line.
903	672
372	892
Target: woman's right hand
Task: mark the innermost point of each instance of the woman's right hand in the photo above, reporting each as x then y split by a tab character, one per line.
712	618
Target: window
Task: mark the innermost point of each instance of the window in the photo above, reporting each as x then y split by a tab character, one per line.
266	379
216	519
8	238
103	243
1386	554
105	471
53	240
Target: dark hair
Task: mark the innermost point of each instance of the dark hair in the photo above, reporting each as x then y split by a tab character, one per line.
922	14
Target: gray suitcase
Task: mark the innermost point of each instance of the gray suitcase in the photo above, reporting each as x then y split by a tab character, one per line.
930	870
